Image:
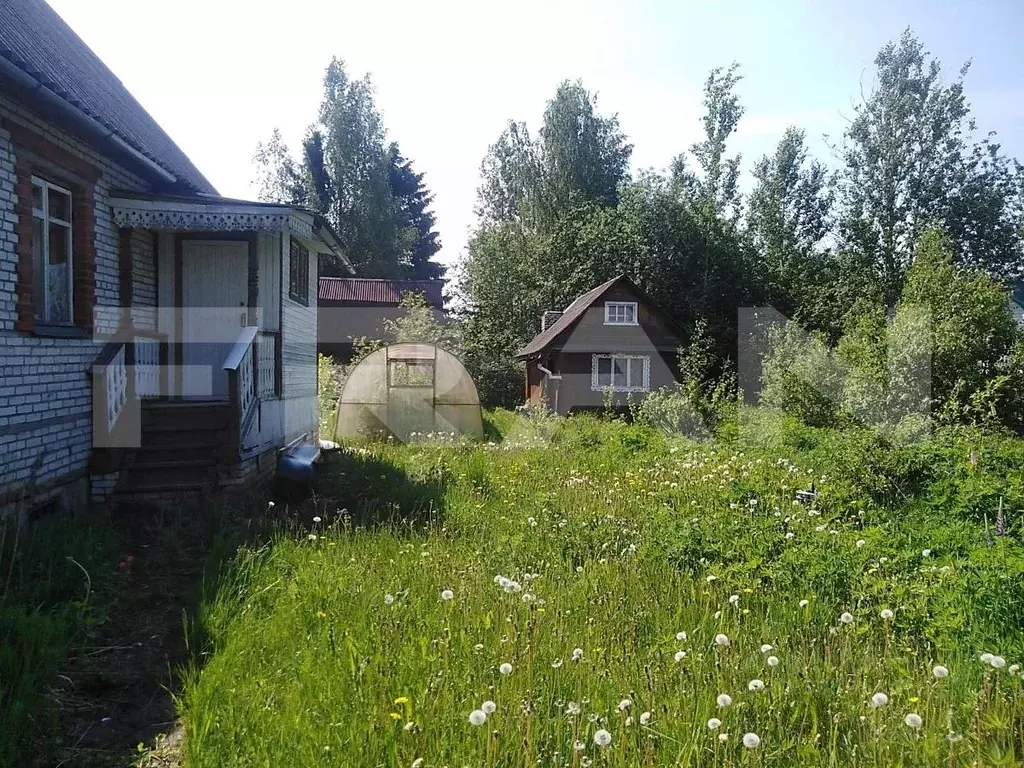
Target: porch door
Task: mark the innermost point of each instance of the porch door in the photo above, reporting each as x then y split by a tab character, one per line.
215	291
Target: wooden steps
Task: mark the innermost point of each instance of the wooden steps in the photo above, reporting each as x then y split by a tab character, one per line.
184	445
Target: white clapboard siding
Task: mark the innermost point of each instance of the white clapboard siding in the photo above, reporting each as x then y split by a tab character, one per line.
270	281
298	344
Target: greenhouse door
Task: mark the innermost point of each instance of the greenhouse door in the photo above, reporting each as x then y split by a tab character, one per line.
410	397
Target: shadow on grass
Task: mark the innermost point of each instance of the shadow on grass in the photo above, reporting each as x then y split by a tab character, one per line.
374	491
100	614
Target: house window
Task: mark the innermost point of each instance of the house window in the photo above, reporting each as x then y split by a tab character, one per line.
620	313
621	373
52	260
298	273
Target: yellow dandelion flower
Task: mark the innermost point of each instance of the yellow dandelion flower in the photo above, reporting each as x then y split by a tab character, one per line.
402	700
395	716
321	614
914	699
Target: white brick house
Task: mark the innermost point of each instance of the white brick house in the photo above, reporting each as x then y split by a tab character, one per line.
154	336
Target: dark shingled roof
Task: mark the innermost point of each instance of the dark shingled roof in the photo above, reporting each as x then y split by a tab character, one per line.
569	317
37	41
375	291
580	305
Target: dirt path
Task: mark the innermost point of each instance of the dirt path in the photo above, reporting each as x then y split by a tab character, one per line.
118	692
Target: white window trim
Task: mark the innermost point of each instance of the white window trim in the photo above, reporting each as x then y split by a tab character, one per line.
630	359
608	312
43	302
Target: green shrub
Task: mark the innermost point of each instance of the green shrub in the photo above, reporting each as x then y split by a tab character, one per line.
703	399
801	377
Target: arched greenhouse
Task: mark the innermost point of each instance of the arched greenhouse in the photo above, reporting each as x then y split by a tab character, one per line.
409	390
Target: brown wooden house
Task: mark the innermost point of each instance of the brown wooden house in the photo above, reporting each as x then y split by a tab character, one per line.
611	338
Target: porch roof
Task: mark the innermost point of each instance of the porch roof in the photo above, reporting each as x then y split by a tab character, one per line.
212	213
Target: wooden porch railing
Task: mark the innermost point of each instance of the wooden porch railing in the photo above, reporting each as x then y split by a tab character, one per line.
148	357
240	365
268	382
110	392
126	369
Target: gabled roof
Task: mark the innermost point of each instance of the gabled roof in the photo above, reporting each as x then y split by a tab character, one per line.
55	64
579	306
376	291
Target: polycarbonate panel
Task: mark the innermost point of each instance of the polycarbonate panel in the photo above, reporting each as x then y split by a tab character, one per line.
407	351
362	421
367	383
453	384
461	419
408	391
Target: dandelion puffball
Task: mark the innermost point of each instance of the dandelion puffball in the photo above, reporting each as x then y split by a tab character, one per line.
734	599
602	738
926	553
680	655
940	671
751	740
488	706
645	718
477	717
680	636
886	614
722	640
804	603
986	658
723	737
997	662
755	685
505	669
913	720
714	723
772	661
417	763
1014	669
879	700
447	594
577	654
860	543
846	617
625	704
766	647
724	700
389	599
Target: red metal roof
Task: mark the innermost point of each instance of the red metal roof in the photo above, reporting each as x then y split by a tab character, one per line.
376	291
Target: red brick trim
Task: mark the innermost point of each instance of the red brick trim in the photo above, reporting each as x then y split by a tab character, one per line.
56	154
29	147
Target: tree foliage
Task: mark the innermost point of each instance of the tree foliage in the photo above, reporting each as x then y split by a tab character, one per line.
363	186
836	250
910	162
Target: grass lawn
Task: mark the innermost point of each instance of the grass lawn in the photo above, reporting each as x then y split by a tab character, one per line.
595	593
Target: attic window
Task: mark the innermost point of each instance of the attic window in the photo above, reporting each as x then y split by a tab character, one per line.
620	313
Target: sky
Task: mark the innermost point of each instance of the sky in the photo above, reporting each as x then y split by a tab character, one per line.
220	75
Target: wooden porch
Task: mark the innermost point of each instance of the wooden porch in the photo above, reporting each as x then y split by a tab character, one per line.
161	442
209	364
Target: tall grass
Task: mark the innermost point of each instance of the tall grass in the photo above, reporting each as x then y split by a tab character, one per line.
55	579
602	567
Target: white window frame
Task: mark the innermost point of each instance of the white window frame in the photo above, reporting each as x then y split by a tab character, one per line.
631	360
611	306
42	303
